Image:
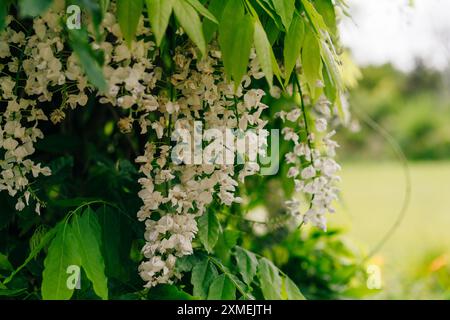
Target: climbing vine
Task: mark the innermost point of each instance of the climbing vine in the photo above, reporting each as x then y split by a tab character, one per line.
116	118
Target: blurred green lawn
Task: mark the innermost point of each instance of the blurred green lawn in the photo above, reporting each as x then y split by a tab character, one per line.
372	195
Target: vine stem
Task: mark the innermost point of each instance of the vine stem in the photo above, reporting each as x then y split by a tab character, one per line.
407	197
302	105
407	176
305	119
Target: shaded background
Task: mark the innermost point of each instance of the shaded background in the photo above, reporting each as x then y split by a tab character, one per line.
402	48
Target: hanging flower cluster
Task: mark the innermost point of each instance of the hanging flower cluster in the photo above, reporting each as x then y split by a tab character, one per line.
313	166
21	99
179	193
175	189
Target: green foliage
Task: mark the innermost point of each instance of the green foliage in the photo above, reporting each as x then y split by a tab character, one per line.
202	10
4	8
247	264
96	10
159	12
63	252
203	275
241	24
290	290
91	221
87	233
222	288
168	292
189	19
312	61
128	14
77	243
209	230
271	282
326	10
293	43
209	27
227	240
78	40
235	24
324	266
413	107
5	265
33	8
114	238
33	254
264	51
285	9
427	279
250	276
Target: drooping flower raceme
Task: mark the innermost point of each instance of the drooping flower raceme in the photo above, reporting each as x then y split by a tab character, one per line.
312	164
177	184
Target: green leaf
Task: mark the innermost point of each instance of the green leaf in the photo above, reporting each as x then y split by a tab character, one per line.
330	61
128	14
95	9
88	235
202	10
263	51
326	10
189	20
186	263
247	264
104	5
112	241
78	40
235	38
4	7
4	263
330	88
33	8
273	32
311	61
270	280
291	291
222	288
227	240
293	42
216	8
159	12
168	292
209	230
269	4
202	276
322	33
62	253
240	286
285	9
314	17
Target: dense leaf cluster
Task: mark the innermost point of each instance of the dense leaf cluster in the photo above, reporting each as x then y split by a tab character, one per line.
91	197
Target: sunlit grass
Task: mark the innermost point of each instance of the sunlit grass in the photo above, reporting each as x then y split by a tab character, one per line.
372	195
